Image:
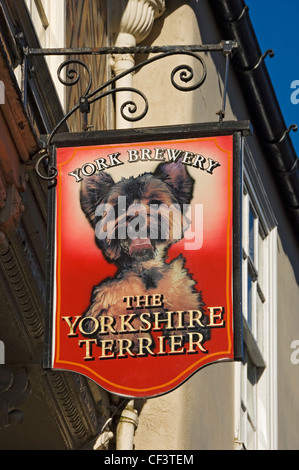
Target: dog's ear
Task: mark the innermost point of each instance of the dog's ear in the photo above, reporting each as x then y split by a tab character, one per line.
175	174
93	191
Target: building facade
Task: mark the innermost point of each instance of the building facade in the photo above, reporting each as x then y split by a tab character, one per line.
250	404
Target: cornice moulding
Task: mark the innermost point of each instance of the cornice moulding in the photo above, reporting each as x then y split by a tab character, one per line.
135	18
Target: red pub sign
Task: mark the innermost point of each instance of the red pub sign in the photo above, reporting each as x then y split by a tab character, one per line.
144	257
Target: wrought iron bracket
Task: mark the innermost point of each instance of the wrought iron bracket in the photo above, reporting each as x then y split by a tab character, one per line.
268	53
292	127
182	78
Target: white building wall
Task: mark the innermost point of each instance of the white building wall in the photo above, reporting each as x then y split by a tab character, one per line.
49	20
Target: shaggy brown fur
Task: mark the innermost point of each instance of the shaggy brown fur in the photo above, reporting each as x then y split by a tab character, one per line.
142	266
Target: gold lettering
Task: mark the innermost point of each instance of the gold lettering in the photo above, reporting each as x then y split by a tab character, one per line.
195	316
88	348
89	320
107	326
72	326
161	340
107	346
176	341
129	300
125	323
125	348
146	322
157	300
193	342
147	346
214	315
160	318
179	319
143	299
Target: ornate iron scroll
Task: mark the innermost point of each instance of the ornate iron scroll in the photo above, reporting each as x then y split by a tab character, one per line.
182	78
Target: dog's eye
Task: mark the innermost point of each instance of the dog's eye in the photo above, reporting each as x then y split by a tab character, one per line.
155	201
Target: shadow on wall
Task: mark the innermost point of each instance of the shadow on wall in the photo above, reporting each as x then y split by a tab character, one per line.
2	93
205	34
2	353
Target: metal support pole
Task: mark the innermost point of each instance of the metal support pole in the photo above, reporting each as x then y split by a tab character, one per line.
227	51
129	50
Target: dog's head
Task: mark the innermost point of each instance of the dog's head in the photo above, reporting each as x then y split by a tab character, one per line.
138	216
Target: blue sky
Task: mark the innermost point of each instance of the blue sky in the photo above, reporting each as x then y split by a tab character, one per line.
276	25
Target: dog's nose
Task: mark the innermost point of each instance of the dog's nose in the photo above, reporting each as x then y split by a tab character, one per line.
139	245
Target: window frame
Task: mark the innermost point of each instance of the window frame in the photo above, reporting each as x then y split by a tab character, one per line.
259	340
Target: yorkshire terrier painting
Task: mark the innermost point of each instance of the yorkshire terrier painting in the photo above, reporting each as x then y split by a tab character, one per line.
119	210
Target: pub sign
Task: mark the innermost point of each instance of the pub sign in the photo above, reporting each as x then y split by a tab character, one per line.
144	256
